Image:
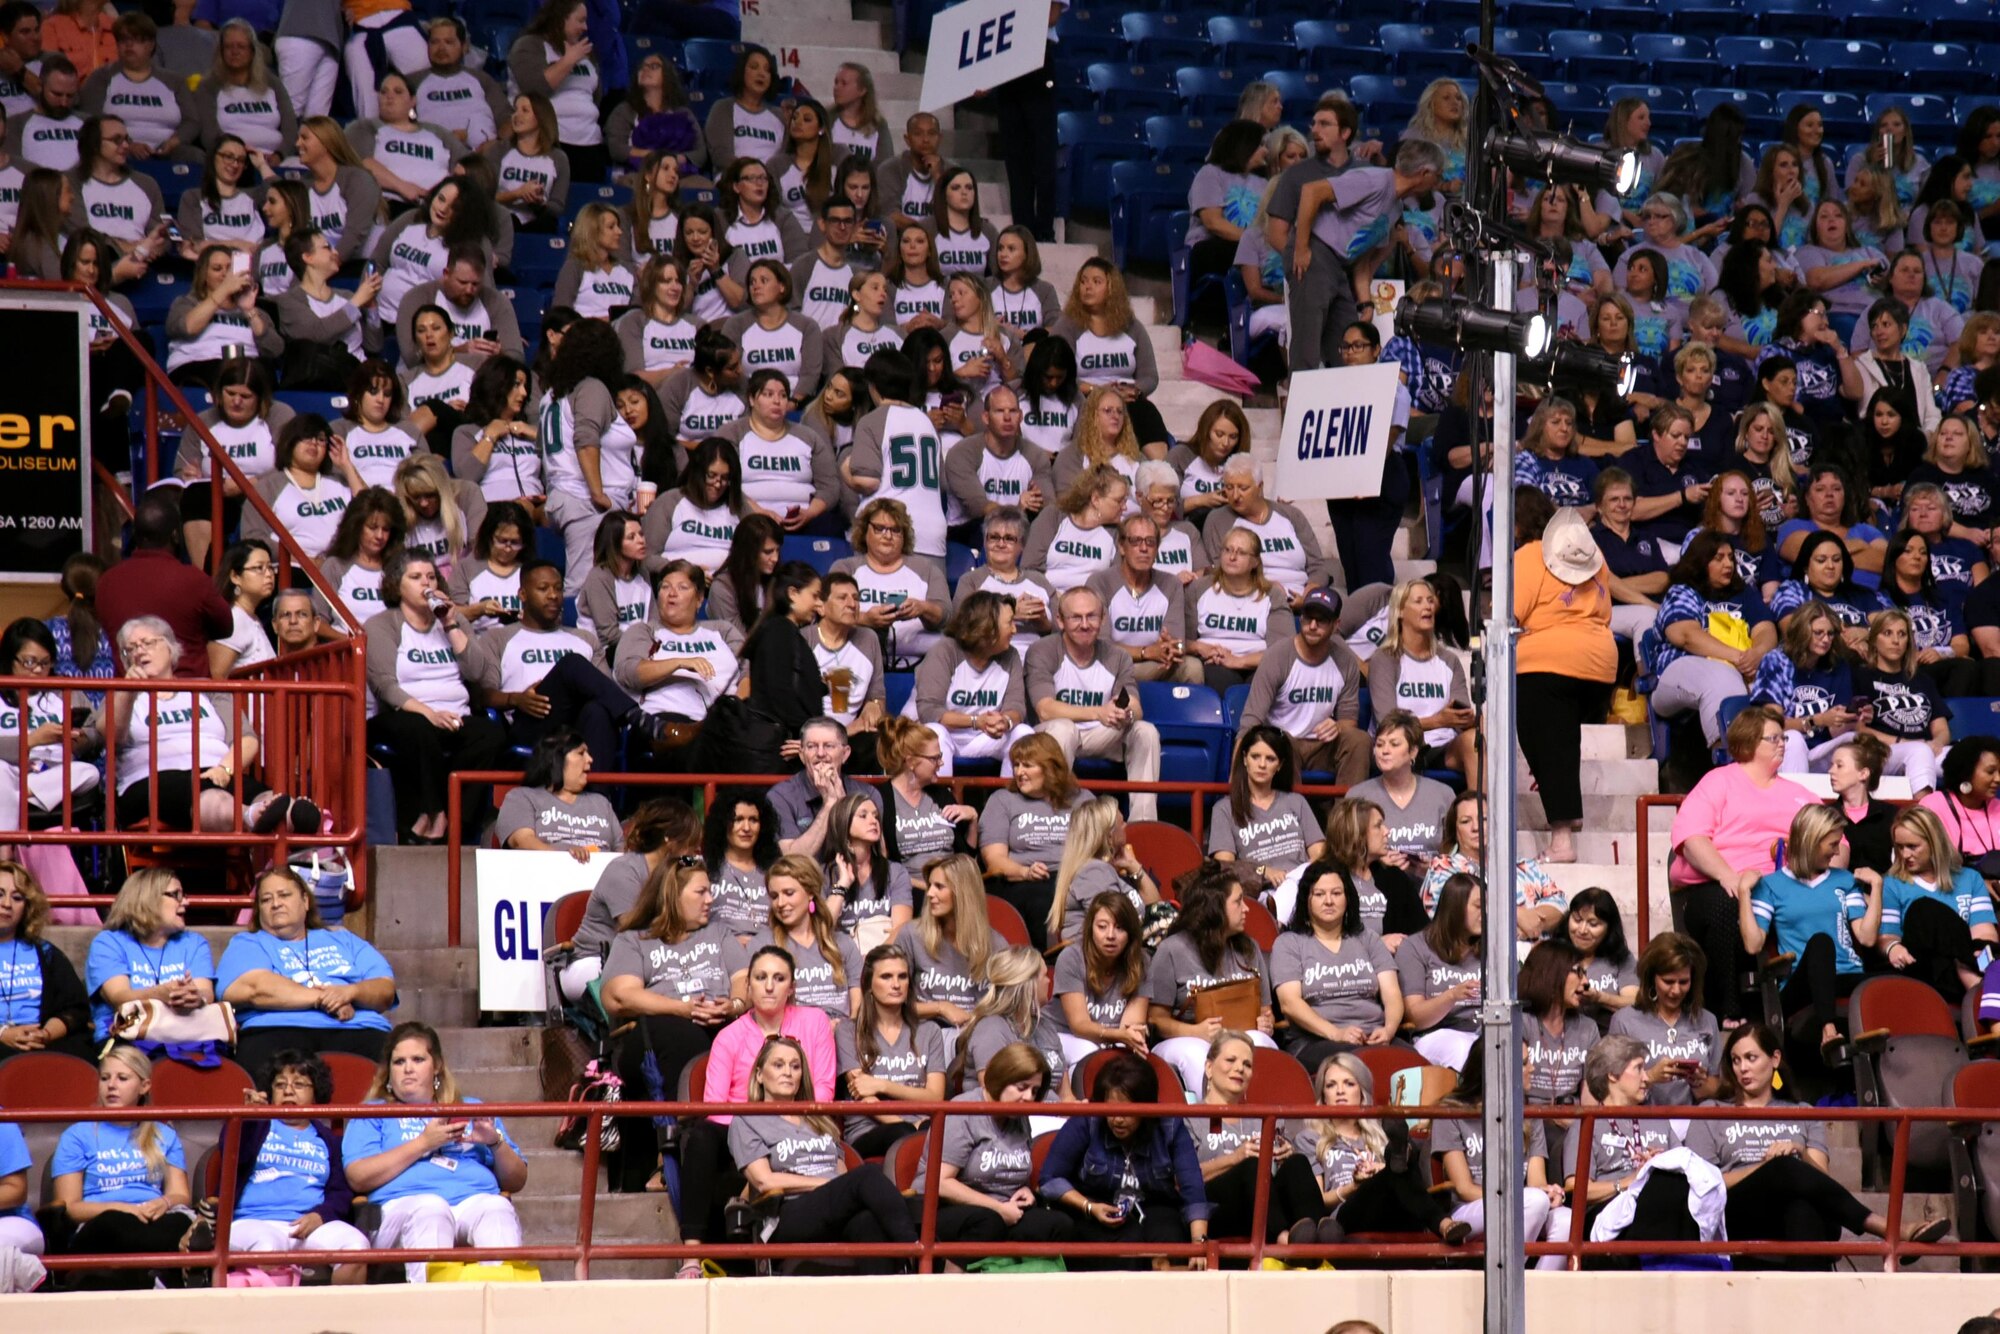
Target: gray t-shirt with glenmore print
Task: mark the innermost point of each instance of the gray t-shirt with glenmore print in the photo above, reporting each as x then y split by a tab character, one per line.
1107	1007
700	965
1277	837
812	973
912	1058
1177	971
1033	830
1341	986
1423	973
799	1149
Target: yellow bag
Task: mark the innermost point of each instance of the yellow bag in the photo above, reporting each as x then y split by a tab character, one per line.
500	1271
1628	707
1730	628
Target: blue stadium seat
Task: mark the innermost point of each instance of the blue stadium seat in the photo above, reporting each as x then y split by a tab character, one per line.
1579	107
958	559
538	258
330	406
1373	91
896	688
1521	45
1167	38
1938	67
173	178
1228	35
1330	44
1748	101
1616	16
1697	18
1537	15
1928	114
1211	92
1422	51
1242	346
1140	89
1070	79
1091	142
154	297
1301	89
1674	57
1194	745
1233	700
1973	715
549	547
1092	20
1452	14
818	552
1586	54
710	57
1958	20
1658	96
1142	195
1374	13
1754	62
1848	63
1882	20
1793	18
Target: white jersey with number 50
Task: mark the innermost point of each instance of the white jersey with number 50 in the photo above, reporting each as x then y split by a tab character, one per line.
899	444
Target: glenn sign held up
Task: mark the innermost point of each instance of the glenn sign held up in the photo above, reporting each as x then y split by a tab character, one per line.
1336	436
982	44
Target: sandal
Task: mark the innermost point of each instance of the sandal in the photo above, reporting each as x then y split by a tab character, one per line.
690	1269
1455	1231
1928	1231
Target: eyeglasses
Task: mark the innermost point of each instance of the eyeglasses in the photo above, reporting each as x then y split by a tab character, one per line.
1003	539
34	662
886	529
508	542
177	894
934	756
257	567
1355	345
1140	541
117	138
1771	739
135	645
232	157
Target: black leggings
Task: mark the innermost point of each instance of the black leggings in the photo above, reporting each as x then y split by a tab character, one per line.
1816	985
1788	1199
1162	1225
1942	944
1030	898
1660	1214
1708	913
1232	1198
120	1233
709	1178
877	1141
256	1046
427	755
178	793
1560	706
969	1222
1392	1201
859	1205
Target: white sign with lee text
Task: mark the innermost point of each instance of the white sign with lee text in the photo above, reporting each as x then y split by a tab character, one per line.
1336	435
980	45
515	890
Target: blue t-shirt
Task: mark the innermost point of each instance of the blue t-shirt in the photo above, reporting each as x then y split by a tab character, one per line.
14	1157
323	958
1952	559
455	1173
289	1177
1628	560
1850	604
1802	692
117	954
20	984
1566	481
1860	532
1652	478
114	1171
1682	603
1798	911
1967	897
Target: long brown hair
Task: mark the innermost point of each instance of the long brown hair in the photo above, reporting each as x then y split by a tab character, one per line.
1447	935
1128	970
447	1085
657	910
79	583
868	1015
971	931
819	920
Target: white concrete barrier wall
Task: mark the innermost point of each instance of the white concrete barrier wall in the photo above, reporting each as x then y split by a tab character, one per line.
1287	1303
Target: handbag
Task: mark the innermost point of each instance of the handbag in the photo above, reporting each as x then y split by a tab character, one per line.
1730	628
1236	1003
156	1021
462	1271
599	1084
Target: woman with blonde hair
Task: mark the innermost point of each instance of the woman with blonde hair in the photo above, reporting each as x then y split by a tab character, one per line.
1370	1180
1096	859
950	941
826	963
145	951
238	96
1113	348
440	1181
123	1185
1978	347
1764	452
43	1006
1382	879
1412	671
1026	827
985	353
441	512
1011	1011
1936	911
345	198
1230	1149
857	125
1235	613
596	279
1909	715
1077	536
902	592
1809	905
1104	437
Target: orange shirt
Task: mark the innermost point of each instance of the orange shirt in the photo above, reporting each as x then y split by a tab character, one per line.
358	10
1565	628
86	47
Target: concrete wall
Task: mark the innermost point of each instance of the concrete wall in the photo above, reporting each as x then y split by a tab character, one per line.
1410	1303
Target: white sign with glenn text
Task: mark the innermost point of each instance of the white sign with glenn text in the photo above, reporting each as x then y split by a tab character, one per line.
515	891
982	44
1336	435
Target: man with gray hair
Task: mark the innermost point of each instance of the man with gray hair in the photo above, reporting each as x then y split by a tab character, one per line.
1144	608
1081	687
1003	536
802	801
1350	221
294	620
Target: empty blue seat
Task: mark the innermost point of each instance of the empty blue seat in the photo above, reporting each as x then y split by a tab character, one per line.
1372	92
1211	92
1753	61
1925	112
1094	19
1972	715
1300	88
1167	133
1169	38
1847	62
818	552
1675	57
1794	18
1883	20
1958	20
1700	18
1512	42
1746	100
1194	745
1616	16
1233	700
1451	13
1142	195
154	296
1538	15
958	558
1591	54
1422	51
1228	32
1140	89
1939	67
896	688
1660	97
1333	44
1091	141
704	56
538	258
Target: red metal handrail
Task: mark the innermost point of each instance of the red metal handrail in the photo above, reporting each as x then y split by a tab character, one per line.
710	784
926	1250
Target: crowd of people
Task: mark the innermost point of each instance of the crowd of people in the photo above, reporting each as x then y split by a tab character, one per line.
781	325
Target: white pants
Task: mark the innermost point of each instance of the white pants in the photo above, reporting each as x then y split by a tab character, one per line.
1539	1221
1631	621
45	788
426	1222
577	519
1274	318
1916	761
1692	682
1187	1056
1447	1047
409	49
263	1234
1802	758
581	972
972	744
21	1234
1075	1049
308	71
1137	744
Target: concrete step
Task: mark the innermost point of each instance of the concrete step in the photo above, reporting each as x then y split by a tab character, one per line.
1409	569
1614	741
503	1083
782	29
440	1007
490	1048
1615	777
1600	811
633	1218
440	967
762	18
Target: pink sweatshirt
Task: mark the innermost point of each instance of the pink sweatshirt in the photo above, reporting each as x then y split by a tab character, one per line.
1740	818
736	1047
